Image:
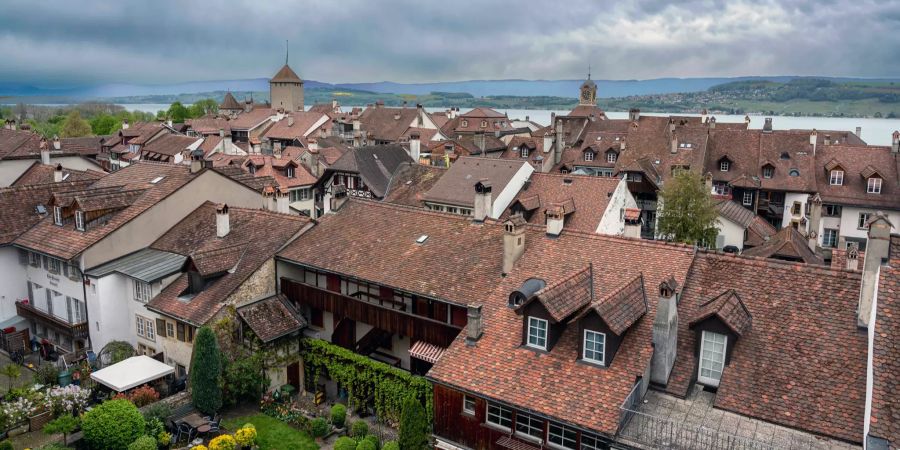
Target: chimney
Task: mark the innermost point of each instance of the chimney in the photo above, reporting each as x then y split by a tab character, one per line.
281	201
634	114
415	146
560	142
708	181
513	241
814	140
712	123
334	105
479	141
767	127
877	248
397	115
248	105
58	174
632	219
859	132
853	257
221	132
827	139
196	160
747	121
56	144
226	143
672	126
673	143
895	142
815	219
125	124
703	116
483	201
223	225
665	333
45	152
474	325
169	123
555	220
290	120
356	124
548	142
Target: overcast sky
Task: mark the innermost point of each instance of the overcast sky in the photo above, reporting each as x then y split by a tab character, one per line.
76	42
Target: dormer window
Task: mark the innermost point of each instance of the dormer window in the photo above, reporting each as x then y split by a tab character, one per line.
484	124
594	346
712	357
768	172
57	215
289	171
873	185
79	220
251	168
724	165
523	152
588	156
537	333
836	178
465	123
611	157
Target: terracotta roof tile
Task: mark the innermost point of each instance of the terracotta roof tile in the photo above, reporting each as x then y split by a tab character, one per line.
624	307
567	296
587	198
728	308
272	318
884	422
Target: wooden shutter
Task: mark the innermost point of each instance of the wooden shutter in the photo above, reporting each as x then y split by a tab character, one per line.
180	331
161	327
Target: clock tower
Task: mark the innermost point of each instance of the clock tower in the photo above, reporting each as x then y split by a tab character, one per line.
588	92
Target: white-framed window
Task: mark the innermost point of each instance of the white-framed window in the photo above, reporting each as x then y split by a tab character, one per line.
829	237
873	185
79	220
499	416
465	123
588	156
468	405
594	347
75	310
529	427
170	329
34	259
863	222
484	124
54	265
537	333
289	171
139	324
561	436
57	215
712	357
748	198
836	178
724	165
768	171
524	151
298	195
590	441
141	291
145	328
611	157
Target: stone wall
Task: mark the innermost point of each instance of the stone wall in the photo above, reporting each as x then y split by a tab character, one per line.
261	283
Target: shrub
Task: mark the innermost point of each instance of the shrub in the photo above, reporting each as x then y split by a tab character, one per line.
159	411
373	439
392	445
143	443
164	438
359	429
143	396
338	415
113	425
199	447
46	374
413	425
366	444
206	372
54	446
6	445
154	427
245	379
246	435
18	411
223	442
344	443
69	399
64	425
319	427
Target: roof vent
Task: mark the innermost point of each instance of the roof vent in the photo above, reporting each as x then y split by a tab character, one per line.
156	180
567	181
40	209
422	239
529	288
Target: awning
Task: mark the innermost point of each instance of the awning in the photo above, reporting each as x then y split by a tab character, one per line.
426	352
513	444
131	372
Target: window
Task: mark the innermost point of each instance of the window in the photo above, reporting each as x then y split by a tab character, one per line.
523	152
768	171
829	237
79	220
591	442
145	328
594	347
795	208
611	157
831	210
863	222
588	156
724	165
712	358
837	178
873	186
54	265
289	171
529	427
57	215
75	310
748	198
141	291
34	259
298	195
465	123
794	173
170	329
139	325
499	416
468	405
252	169
561	436
484	124
50	295
537	333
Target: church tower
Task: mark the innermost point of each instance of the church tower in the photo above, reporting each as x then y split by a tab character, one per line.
286	89
588	92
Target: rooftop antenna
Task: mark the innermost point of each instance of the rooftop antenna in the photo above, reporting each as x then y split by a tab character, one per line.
287	50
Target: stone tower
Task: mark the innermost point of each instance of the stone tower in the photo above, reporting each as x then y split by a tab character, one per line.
588	92
286	89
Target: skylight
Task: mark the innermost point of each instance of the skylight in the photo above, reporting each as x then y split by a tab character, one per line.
422	239
156	180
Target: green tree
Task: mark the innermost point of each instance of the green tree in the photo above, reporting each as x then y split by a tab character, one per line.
344	443
203	107
413	425
64	425
75	125
687	213
143	443
177	112
244	379
113	425
105	124
206	372
12	373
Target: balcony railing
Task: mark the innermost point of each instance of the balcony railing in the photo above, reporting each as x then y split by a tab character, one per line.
27	310
416	327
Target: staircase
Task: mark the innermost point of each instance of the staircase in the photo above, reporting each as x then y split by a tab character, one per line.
375	338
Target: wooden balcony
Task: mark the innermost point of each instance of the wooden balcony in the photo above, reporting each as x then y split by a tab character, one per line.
27	310
418	328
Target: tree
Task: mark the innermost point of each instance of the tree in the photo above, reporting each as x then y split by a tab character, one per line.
104	124
113	425
687	213
203	107
413	425
12	372
177	112
64	425
143	443
75	126
206	372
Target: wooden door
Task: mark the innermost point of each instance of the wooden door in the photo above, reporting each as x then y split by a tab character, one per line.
293	375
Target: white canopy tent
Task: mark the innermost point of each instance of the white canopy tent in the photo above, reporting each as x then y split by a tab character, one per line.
131	372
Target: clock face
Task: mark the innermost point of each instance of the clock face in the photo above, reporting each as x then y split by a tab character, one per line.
585	94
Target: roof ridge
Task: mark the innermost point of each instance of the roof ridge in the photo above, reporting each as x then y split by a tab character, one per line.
622	239
761	261
640	276
564	280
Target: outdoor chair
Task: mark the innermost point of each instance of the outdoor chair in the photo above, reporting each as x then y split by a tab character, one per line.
184	431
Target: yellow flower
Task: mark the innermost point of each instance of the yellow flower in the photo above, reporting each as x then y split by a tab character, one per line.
245	436
199	447
223	442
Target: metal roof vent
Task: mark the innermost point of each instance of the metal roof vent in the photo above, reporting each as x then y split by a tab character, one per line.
529	288
156	180
422	239
40	209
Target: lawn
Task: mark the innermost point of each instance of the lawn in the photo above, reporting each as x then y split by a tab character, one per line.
273	434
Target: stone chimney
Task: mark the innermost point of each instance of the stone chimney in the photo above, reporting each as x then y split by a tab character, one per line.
895	142
555	220
548	142
415	147
634	114
58	174
513	241
282	201
560	142
483	201
169	123
196	160
479	141
853	257
712	123
56	144
815	220
665	332
290	120
248	105
125	124
672	126
704	116
708	181
632	220
814	140
877	248
45	151
747	120
673	143
767	127
474	325
827	139
223	224
859	132
397	115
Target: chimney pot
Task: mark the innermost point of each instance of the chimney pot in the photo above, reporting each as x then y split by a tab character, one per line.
58	173
513	241
665	333
767	127
474	325
223	225
56	144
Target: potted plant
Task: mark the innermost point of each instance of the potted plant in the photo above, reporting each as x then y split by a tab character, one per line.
246	436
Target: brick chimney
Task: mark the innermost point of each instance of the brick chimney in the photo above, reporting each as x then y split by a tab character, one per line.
483	201
513	241
895	142
665	332
814	140
673	142
474	325
555	220
877	248
56	144
45	151
815	220
415	146
125	124
767	127
634	114
223	224
58	173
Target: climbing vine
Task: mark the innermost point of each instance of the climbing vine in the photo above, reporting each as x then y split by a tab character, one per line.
365	379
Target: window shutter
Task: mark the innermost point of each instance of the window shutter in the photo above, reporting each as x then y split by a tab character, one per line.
23	257
161	327
46	262
180	327
69	308
30	293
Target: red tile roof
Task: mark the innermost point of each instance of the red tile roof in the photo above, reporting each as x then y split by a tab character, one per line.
884	422
409	185
589	196
300	128
39	173
286	75
622	308
19	205
854	160
786	244
729	309
272	317
567	296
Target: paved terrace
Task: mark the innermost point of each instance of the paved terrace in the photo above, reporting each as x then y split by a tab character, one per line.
664	421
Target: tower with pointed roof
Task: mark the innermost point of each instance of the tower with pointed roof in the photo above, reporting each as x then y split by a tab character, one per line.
588	91
286	89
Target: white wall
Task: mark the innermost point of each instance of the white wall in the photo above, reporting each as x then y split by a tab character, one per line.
509	192
789	199
850	220
732	234
612	222
11	169
12	284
